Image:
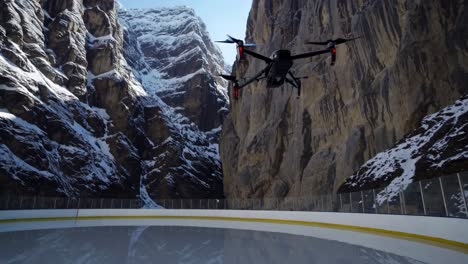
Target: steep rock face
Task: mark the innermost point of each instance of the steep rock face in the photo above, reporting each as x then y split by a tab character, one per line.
411	61
171	53
73	119
51	142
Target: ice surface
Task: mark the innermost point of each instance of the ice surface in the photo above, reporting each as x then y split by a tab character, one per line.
195	245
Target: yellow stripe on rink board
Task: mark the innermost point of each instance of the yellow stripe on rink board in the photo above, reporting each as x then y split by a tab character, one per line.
435	241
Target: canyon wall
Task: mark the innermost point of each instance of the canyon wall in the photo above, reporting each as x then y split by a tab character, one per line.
410	61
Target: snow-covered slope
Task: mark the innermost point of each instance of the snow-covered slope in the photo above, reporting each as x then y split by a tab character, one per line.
438	147
50	141
75	121
173	56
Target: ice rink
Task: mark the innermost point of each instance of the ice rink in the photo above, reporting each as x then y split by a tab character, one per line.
204	240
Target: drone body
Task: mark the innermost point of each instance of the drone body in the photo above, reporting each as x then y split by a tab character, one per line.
277	73
278	68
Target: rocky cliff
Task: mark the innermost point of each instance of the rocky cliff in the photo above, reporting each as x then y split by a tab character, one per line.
410	61
439	146
173	56
74	119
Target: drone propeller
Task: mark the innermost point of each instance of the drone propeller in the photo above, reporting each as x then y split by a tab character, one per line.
228	77
332	41
240	46
225	41
331	45
235	82
232	40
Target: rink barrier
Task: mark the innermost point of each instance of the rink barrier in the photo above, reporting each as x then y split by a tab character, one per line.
445	196
450	233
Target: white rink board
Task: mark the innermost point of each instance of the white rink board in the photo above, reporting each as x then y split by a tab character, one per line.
454	229
447	228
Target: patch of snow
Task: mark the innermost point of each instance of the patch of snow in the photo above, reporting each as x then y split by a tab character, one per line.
9	160
102	113
4	114
169	29
101	39
34	77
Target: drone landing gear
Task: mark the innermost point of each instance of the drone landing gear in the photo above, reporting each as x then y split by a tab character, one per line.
295	82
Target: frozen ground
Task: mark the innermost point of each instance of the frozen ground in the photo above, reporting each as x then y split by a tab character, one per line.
196	241
166	244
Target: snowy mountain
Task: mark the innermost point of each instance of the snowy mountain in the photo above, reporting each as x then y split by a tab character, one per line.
75	120
173	56
438	147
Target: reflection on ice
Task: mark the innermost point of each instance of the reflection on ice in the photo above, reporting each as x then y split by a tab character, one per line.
159	244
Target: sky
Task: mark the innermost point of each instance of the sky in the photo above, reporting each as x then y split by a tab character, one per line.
220	16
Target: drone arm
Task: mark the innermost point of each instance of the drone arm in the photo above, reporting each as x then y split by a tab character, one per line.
258	56
253	79
310	54
237	87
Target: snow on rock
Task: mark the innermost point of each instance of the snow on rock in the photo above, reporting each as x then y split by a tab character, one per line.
42	142
75	119
438	147
173	56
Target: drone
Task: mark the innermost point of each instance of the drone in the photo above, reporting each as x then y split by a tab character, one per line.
278	68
